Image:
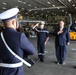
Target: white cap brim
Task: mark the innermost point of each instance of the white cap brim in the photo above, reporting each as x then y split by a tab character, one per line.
9	13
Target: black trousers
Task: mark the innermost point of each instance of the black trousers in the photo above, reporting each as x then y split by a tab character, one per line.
41	48
61	53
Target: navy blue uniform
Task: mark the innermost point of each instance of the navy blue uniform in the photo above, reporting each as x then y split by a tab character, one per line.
61	41
42	34
19	43
73	27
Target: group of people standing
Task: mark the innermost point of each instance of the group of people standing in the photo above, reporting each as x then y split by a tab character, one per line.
62	39
10	63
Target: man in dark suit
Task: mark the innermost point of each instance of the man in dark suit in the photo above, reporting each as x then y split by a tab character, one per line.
62	39
17	41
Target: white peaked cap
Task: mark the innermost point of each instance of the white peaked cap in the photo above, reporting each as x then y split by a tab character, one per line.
8	14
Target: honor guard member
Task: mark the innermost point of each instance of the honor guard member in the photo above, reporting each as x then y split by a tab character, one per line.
42	38
62	39
17	41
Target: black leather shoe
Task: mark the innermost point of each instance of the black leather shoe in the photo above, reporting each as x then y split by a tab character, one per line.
42	60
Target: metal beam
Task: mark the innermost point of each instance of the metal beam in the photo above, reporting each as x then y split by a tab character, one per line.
47	8
62	3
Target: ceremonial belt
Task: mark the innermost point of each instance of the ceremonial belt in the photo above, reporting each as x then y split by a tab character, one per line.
14	65
18	57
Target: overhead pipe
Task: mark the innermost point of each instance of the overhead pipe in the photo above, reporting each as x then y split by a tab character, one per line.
47	8
62	3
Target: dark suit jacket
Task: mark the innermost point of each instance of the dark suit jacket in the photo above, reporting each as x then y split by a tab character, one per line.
62	38
19	43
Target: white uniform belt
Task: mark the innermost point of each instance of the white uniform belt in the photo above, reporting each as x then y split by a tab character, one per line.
11	65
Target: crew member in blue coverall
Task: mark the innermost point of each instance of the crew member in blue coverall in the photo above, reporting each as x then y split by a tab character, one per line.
42	39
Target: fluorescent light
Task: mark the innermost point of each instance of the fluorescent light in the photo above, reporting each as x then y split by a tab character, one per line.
3	8
24	2
22	8
53	5
26	13
16	6
46	15
30	10
48	2
62	10
35	12
58	8
19	1
35	7
4	3
73	5
52	13
66	12
29	4
69	0
42	9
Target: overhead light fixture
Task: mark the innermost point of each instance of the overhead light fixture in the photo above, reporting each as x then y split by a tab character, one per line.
3	8
20	1
16	6
73	5
55	14
69	14
24	2
66	12
22	8
4	3
46	15
29	4
26	13
29	10
69	0
53	5
48	2
33	17
62	10
35	7
52	13
42	9
58	8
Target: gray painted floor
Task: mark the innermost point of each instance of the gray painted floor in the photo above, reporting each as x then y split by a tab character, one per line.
49	67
